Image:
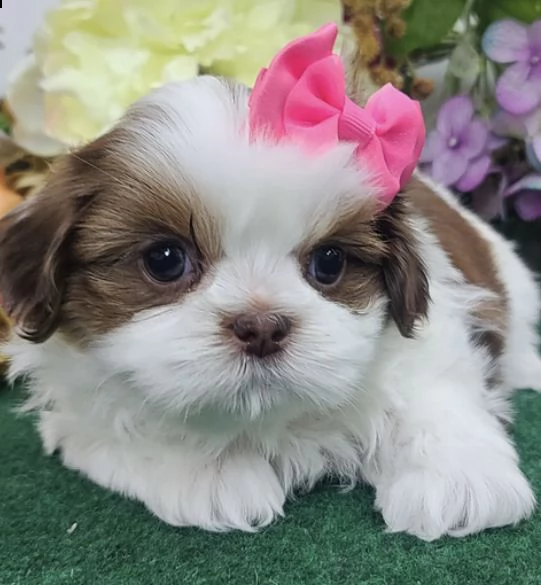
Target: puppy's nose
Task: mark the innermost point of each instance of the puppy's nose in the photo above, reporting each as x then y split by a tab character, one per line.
262	334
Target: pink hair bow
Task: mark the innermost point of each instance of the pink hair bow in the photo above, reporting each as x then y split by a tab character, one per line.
302	97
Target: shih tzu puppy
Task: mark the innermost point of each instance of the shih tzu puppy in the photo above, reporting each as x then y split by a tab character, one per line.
230	296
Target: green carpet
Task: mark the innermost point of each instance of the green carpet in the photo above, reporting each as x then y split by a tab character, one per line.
326	538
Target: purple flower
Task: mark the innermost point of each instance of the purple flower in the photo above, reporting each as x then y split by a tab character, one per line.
526	127
518	89
456	152
527	196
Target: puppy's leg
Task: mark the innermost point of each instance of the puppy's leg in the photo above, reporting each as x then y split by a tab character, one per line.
521	362
446	466
181	486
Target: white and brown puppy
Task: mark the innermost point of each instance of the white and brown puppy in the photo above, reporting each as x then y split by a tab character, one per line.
209	325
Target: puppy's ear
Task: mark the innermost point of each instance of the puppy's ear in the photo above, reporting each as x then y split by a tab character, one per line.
404	273
34	257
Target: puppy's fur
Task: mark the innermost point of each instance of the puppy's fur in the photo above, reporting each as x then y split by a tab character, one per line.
399	374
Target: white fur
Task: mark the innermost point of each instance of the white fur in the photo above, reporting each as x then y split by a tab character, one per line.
163	411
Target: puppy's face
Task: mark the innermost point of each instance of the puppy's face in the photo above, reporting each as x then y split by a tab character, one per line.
211	271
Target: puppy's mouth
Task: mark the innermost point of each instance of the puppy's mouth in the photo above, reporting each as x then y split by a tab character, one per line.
262	366
263	354
261	369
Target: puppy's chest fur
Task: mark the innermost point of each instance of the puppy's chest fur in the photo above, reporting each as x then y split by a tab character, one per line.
472	255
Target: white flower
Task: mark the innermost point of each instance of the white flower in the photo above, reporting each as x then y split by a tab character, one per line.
93	58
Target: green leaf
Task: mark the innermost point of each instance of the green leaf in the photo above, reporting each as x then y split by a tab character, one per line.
427	23
4	123
491	10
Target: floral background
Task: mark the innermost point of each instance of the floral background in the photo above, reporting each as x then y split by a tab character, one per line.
487	141
91	58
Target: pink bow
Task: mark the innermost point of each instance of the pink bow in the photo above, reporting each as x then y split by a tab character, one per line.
302	96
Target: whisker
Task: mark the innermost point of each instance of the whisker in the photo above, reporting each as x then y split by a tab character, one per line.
93	166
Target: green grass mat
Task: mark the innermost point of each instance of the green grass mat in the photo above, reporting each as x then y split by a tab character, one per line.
326	538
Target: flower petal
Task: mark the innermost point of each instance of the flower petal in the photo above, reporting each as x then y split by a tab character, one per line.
533	153
536	146
474	138
506	41
449	167
531	182
475	174
516	92
434	145
23	93
495	142
454	116
26	100
534	37
532	123
37	142
535	73
528	205
506	124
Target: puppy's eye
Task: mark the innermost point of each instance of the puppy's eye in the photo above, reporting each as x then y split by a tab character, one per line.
327	264
166	262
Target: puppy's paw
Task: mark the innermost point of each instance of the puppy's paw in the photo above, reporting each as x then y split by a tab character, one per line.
430	503
240	491
236	494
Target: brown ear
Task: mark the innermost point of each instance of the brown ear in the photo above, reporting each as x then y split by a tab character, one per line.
34	258
404	272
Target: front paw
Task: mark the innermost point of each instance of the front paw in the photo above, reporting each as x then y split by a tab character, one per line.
238	494
432	503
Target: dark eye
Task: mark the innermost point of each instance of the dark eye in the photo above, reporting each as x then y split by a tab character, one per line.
166	262
327	264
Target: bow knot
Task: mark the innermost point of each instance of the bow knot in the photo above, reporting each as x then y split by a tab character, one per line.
302	97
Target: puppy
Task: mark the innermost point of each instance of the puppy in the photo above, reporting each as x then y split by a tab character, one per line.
209	324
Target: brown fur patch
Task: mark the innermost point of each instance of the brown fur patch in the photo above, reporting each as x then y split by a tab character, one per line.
404	272
354	232
382	259
108	285
471	254
83	270
33	259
